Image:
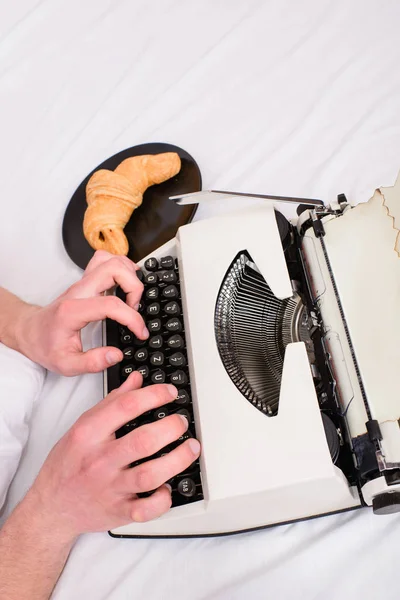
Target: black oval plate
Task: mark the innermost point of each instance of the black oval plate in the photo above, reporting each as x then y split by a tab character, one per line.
155	222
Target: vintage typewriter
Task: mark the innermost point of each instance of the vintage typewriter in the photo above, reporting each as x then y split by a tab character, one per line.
282	337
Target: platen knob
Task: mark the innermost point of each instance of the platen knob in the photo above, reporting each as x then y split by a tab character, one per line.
387	503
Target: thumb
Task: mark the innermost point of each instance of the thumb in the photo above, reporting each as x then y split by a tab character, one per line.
95	360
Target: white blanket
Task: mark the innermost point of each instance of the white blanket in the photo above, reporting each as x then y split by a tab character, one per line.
286	97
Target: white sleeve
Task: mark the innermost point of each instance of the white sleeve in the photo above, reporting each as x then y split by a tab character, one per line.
21	382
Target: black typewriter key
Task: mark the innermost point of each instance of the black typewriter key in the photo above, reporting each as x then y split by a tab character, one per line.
128	353
169	277
157	359
154	325
173	324
151	278
141	355
127	370
159	414
183	398
152	293
158	377
186	487
167	262
144	371
171	291
184	413
177	360
175	341
139	343
186	436
151	264
156	342
140	307
127	337
172	308
153	309
178	378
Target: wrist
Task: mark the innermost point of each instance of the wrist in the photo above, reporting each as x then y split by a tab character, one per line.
48	524
22	336
14	314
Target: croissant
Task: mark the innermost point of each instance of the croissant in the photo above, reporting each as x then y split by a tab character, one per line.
112	196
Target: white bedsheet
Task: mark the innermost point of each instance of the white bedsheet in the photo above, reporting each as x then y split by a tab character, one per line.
282	97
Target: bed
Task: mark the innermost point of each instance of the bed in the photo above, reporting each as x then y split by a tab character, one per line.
285	98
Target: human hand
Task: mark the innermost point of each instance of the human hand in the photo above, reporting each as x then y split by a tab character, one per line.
50	335
85	485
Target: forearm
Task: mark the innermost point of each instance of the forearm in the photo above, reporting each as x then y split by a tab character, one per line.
33	552
13	311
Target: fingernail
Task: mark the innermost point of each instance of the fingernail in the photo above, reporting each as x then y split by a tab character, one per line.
172	390
136	306
145	332
113	357
168	486
194	445
184	419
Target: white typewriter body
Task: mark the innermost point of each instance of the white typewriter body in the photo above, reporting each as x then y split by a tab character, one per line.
259	470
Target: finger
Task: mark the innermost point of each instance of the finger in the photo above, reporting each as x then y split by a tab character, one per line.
118	270
134	382
78	313
145	509
153	473
99	257
91	361
147	440
110	414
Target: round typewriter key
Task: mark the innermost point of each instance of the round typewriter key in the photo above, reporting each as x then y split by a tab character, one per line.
141	355
127	338
152	293
157	359
128	353
127	370
169	277
160	413
184	413
178	378
171	291
156	341
151	264
153	309
151	278
172	308
158	377
182	398
175	341
154	325
144	371
140	307
173	324
167	262
177	360
188	434
140	274
187	487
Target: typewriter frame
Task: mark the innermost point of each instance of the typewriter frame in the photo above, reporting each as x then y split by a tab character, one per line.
359	463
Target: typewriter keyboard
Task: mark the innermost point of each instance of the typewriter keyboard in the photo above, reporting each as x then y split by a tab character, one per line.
162	358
